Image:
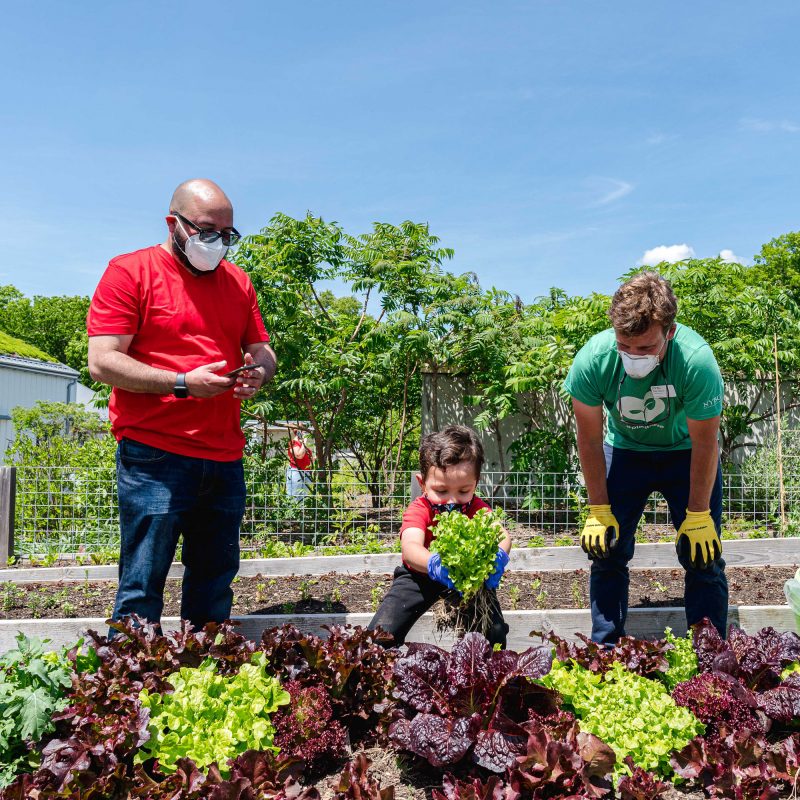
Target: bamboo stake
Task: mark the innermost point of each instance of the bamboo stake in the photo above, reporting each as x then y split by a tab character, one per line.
780	441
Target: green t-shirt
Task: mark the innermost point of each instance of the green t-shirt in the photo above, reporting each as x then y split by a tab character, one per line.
686	383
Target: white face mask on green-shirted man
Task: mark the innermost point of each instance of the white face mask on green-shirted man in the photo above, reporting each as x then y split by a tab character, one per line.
641	366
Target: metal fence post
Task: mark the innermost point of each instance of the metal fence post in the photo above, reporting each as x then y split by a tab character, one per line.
8	494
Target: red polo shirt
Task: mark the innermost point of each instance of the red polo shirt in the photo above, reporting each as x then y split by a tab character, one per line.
179	321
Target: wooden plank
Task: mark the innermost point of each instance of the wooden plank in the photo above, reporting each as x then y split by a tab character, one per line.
743	553
105	572
8	493
642	623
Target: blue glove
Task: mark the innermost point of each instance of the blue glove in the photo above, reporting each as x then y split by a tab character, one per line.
500	564
438	571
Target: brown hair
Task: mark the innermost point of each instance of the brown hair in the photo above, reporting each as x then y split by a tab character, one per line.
443	449
640	301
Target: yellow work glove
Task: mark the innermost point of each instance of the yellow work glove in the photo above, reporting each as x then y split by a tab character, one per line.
701	538
600	533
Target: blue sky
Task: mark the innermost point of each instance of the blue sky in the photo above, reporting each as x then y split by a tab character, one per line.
549	143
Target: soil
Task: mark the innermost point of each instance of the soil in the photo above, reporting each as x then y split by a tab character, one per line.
338	593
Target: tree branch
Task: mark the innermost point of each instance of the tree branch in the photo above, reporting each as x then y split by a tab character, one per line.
396	466
319	303
772	412
363	317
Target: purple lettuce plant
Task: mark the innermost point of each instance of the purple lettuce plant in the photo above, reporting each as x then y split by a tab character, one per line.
470	703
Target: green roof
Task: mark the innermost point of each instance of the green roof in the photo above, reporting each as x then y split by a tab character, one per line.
9	346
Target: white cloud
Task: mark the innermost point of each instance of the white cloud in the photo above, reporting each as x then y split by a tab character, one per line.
660	138
769	126
666	252
612	190
729	257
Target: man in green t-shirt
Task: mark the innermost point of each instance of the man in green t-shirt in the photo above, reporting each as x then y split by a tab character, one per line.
661	390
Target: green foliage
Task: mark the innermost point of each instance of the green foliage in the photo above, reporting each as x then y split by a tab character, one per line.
682	659
779	263
33	685
468	547
790	669
65	461
759	474
9	346
59	434
635	716
49	323
354	375
211	717
274	548
9	293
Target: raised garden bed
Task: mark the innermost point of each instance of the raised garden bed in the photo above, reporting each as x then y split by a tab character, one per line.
360	593
552	583
744	552
199	716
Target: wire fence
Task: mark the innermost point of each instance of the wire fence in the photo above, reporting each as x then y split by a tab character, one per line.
64	511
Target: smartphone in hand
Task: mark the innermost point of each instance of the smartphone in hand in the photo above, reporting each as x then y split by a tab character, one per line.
234	372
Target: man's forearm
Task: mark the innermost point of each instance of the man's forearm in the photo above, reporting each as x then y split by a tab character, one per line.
702	474
120	370
593	466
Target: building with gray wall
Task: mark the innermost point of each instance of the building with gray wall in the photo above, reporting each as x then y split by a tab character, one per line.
24	382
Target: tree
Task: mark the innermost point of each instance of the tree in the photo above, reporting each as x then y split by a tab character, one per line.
516	358
50	323
65	457
779	263
8	293
350	366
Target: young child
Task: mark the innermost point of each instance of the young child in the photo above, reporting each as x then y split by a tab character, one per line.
450	464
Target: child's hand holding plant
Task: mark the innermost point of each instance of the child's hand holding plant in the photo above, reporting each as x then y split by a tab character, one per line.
500	564
438	572
468	551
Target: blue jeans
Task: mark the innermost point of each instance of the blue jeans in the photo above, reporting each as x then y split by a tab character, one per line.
161	497
298	482
632	476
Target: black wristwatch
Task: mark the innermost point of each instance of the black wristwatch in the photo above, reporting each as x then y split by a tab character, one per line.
180	389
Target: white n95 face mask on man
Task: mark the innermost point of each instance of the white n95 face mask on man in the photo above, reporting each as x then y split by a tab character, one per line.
641	366
204	256
638	366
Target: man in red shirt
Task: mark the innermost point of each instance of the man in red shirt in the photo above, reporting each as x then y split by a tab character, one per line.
165	326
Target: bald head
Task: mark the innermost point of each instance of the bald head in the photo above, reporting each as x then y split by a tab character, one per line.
203	205
199	195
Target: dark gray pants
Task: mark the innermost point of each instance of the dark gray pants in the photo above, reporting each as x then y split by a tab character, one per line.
411	595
